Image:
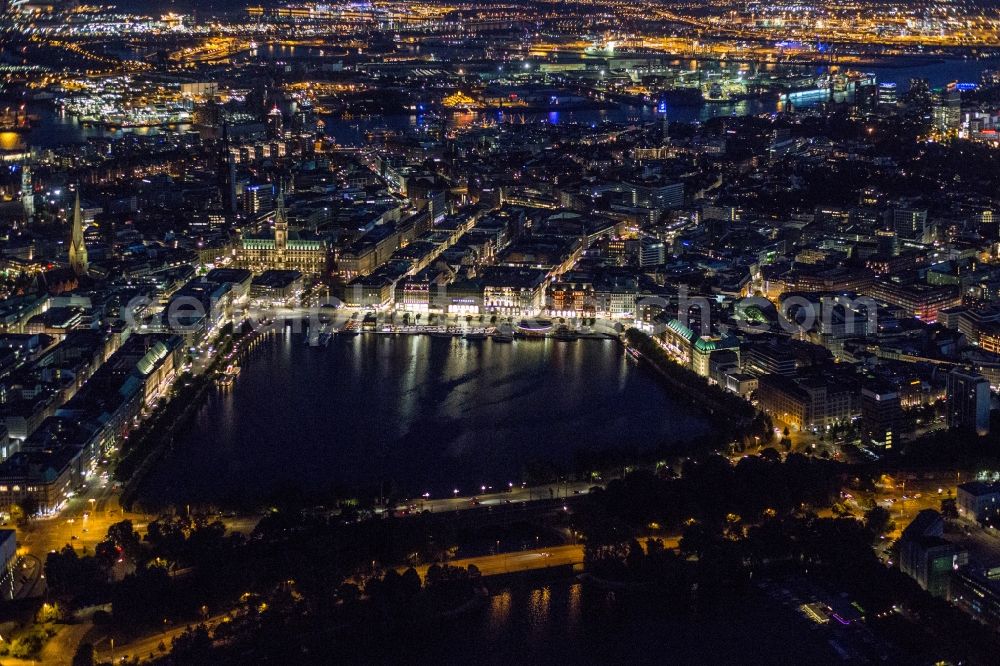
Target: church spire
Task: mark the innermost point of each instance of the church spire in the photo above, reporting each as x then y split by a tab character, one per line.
77	248
227	174
280	220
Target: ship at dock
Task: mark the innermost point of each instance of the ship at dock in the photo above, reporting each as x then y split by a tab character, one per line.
503	333
228	376
566	334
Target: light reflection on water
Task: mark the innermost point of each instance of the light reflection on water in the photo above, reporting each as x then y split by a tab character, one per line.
499	613
428	414
533	608
55	129
574	604
539	609
568	622
561	618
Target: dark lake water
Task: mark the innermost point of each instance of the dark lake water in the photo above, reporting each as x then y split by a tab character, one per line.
417	413
566	622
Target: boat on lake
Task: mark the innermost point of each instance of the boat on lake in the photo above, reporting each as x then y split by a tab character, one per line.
566	334
503	333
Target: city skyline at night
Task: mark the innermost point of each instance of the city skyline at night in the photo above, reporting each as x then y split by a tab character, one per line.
507	332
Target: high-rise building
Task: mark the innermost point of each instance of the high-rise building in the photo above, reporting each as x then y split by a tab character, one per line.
881	416
968	400
304	118
724	213
770	359
275	123
888	242
886	95
27	193
976	590
870	196
652	252
77	248
258	199
919	101
986	224
948	116
657	194
909	223
865	97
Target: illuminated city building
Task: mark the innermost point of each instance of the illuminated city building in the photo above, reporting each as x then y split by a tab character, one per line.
806	403
283	250
258	199
275	123
918	300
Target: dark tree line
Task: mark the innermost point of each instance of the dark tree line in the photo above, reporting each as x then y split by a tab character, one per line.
710	490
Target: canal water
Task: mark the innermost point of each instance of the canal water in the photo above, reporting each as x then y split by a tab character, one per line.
416	413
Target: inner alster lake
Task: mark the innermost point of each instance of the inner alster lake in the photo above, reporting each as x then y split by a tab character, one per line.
415	413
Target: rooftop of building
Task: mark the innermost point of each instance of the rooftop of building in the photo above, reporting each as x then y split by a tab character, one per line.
927	523
276	279
518	278
230	275
979	488
40	466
